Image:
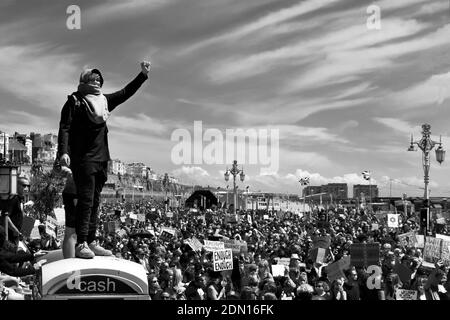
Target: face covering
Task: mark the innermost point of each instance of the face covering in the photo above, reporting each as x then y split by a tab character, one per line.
97	105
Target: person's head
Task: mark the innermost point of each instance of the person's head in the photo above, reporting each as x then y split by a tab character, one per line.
153	282
41	229
92	77
23	185
319	287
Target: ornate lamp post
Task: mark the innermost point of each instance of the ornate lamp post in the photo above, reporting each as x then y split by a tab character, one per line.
234	171
426	144
165	183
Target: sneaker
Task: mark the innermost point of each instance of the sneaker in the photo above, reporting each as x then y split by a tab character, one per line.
98	250
82	251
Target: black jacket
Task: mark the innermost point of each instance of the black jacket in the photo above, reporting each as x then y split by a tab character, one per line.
82	139
8	259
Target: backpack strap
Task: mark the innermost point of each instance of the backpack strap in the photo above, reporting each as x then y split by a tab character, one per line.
76	99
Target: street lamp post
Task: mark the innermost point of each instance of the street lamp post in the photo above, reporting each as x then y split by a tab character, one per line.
426	144
234	171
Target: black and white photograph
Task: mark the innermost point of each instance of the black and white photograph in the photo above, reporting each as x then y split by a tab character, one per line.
261	153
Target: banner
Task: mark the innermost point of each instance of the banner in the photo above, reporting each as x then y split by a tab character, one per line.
223	260
60	214
213	245
237	246
445	248
392	220
375	226
432	250
365	254
420	240
402	294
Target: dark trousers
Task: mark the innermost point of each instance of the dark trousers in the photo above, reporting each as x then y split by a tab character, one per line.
89	178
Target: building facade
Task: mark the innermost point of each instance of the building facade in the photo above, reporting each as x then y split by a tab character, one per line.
365	191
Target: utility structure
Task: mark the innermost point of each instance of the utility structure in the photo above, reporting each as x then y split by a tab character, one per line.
234	171
426	144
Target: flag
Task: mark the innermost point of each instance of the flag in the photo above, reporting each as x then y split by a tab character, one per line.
304	181
366	174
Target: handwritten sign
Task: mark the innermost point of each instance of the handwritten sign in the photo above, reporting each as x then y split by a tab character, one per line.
140	217
133	216
375	226
213	245
50	226
195	244
169	214
284	261
408	239
223	260
432	250
402	294
237	246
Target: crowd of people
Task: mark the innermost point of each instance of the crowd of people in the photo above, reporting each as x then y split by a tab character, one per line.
177	271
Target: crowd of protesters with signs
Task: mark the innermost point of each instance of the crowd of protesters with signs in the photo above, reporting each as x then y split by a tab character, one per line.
339	254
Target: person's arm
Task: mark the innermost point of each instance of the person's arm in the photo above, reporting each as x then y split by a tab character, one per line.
12	226
119	97
17	257
63	133
14	271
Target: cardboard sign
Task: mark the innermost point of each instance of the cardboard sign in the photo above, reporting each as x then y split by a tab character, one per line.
392	220
278	270
213	245
402	294
195	244
223	260
123	219
60	230
408	239
249	219
432	250
50	226
237	246
266	217
231	218
321	255
166	236
141	217
365	254
121	233
375	226
420	240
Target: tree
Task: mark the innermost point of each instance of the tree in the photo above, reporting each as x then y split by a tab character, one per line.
46	188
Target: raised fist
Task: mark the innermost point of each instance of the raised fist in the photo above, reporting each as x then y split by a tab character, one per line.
145	66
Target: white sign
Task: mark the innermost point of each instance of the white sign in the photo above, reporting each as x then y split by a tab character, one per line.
133	216
213	245
402	294
266	217
278	270
60	214
392	220
223	260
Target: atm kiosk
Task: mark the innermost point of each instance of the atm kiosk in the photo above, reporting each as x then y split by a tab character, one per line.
97	278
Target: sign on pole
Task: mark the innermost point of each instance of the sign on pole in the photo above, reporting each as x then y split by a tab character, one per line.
392	220
213	245
223	260
432	250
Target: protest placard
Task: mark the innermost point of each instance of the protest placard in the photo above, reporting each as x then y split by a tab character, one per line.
445	248
231	218
223	260
133	216
365	254
141	217
266	217
375	226
50	226
60	214
402	294
237	246
123	219
408	239
166	236
213	245
278	270
121	233
432	250
169	214
111	226
420	241
392	220
60	229
195	244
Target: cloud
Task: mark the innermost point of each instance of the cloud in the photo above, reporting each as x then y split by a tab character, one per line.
432	91
140	123
398	125
38	74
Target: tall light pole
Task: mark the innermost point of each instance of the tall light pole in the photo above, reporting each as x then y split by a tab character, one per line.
234	171
426	144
